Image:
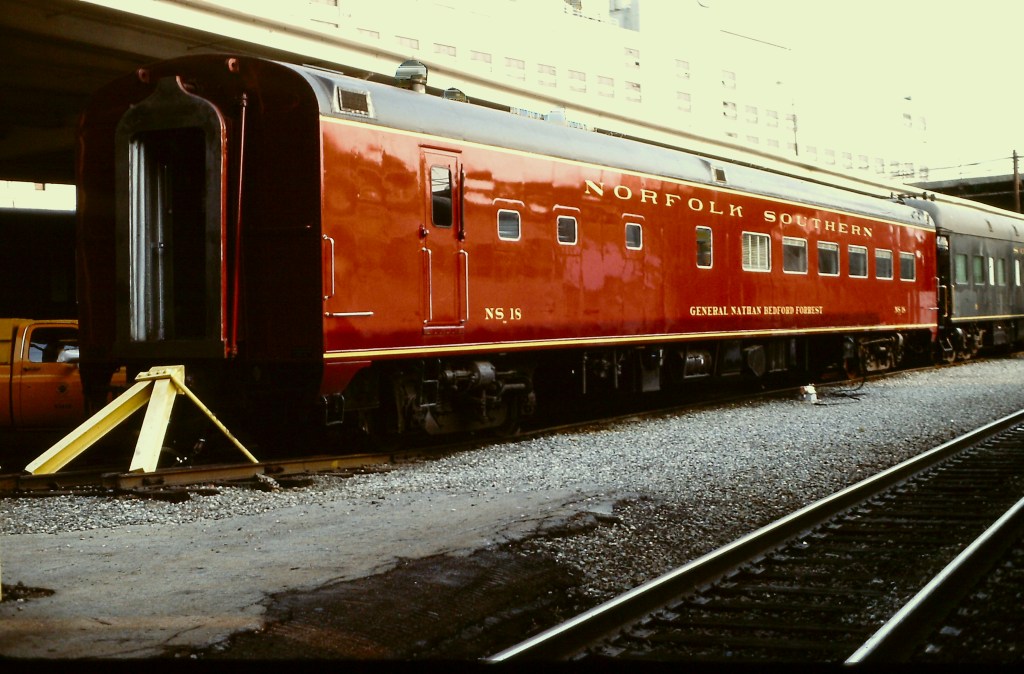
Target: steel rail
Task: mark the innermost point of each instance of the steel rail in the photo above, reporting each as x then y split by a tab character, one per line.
570	637
896	639
11	485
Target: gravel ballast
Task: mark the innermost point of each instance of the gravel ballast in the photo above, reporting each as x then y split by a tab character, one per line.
616	504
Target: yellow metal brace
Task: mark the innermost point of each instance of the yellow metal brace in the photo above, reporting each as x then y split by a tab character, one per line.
158	388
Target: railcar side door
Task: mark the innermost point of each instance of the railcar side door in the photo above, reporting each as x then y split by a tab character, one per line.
445	261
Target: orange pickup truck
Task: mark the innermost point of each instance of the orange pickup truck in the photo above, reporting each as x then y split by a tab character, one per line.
39	382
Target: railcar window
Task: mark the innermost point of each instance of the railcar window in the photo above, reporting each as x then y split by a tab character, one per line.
634	236
794	255
1016	273
566	230
441	195
908	267
509	225
757	253
704	248
1000	271
883	263
857	261
991	272
828	258
960	269
979	270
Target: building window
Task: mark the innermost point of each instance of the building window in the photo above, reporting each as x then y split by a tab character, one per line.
771	118
605	86
751	114
481	56
577	80
857	261
704	256
509	225
684	101
794	255
632	58
371	34
408	42
634	236
516	68
728	110
728	79
633	92
828	258
883	263
682	69
908	267
756	252
566	230
444	49
547	76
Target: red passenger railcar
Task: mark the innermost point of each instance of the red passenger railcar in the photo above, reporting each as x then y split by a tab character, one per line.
390	258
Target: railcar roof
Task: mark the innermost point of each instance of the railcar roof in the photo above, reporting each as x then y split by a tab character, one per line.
974	221
393	107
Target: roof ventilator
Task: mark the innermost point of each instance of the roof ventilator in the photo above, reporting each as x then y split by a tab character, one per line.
412	75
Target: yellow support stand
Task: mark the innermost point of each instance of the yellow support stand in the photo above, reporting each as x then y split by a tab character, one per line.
157	388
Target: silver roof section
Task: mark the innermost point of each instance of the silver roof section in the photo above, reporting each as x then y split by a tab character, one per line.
965	218
397	108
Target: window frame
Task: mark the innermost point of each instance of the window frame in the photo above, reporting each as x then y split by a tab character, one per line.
795	242
749	265
886	255
904	255
837	249
861	251
640	231
964	278
519	224
575	230
710	246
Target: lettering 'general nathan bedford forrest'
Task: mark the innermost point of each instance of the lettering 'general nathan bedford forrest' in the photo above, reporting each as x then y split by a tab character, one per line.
722	209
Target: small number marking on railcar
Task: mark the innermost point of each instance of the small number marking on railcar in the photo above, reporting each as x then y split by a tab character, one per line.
503	314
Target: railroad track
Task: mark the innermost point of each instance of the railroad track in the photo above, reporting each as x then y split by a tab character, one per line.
182	476
821	583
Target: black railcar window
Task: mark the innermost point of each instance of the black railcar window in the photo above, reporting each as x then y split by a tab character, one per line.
908	267
566	230
828	258
858	261
634	236
794	255
441	195
1000	271
960	276
757	253
979	270
1016	273
883	263
704	248
509	225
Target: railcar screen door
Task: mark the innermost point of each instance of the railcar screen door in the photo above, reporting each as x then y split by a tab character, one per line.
445	261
